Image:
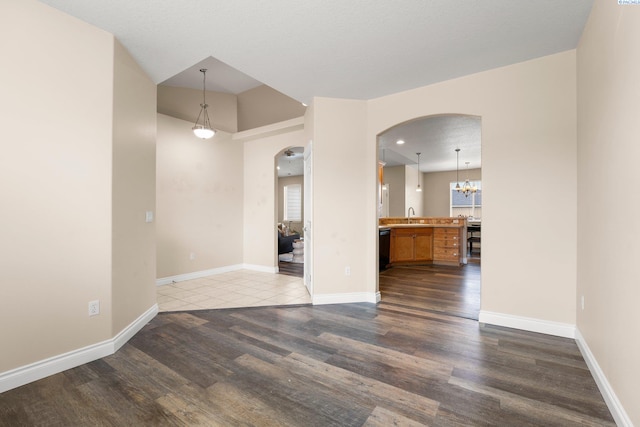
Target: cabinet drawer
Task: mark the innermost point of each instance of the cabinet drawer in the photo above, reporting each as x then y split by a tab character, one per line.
449	254
449	232
446	243
423	231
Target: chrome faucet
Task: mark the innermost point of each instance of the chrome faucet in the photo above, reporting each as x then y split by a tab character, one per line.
409	214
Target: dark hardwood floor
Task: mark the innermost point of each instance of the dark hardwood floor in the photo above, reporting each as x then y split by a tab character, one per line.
291	268
414	359
431	288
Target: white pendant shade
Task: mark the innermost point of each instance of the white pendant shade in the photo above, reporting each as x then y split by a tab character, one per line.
203	132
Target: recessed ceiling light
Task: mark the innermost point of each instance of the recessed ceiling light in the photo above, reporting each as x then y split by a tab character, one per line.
400	141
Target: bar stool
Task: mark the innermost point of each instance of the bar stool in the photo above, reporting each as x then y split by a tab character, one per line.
472	237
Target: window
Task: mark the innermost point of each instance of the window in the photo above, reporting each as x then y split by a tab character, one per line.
292	202
470	205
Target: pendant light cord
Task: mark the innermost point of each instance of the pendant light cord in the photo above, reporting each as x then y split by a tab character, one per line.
204	86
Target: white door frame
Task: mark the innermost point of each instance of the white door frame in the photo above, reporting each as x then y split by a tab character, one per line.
308	218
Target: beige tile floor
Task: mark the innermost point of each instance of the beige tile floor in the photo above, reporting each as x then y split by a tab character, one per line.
241	288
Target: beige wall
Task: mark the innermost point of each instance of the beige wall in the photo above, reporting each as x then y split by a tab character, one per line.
263	105
184	103
412	197
65	208
199	200
296	226
528	125
436	190
260	178
394	176
402	181
55	249
134	189
608	153
341	187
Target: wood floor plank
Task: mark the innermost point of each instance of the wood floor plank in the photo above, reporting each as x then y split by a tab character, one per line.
245	407
322	405
541	411
381	417
417	366
359	388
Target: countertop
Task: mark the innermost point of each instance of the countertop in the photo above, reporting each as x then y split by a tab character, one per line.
418	225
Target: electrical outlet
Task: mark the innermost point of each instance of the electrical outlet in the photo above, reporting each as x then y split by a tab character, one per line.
582	301
94	308
347	271
192	256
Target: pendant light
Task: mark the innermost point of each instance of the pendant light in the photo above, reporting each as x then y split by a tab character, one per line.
418	187
457	179
203	130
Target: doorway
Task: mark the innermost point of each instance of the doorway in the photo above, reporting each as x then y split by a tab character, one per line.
420	175
290	204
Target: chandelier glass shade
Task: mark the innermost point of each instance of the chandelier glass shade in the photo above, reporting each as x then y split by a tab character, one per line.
202	128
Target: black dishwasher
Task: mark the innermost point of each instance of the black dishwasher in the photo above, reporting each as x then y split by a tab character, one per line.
383	247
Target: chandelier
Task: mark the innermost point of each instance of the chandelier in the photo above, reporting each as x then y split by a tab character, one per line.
466	188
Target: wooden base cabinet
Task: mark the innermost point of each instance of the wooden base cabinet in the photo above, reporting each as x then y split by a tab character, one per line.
411	245
447	246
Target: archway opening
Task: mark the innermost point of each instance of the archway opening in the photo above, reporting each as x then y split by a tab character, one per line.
429	226
290	211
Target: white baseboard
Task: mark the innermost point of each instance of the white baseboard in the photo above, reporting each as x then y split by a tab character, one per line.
197	274
261	268
617	411
565	330
378	298
53	365
133	328
204	273
372	297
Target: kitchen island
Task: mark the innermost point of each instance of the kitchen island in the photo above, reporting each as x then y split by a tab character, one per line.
426	240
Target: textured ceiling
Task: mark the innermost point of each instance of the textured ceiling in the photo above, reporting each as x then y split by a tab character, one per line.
436	139
359	49
291	162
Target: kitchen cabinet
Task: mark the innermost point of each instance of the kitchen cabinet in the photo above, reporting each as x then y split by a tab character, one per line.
447	245
411	244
